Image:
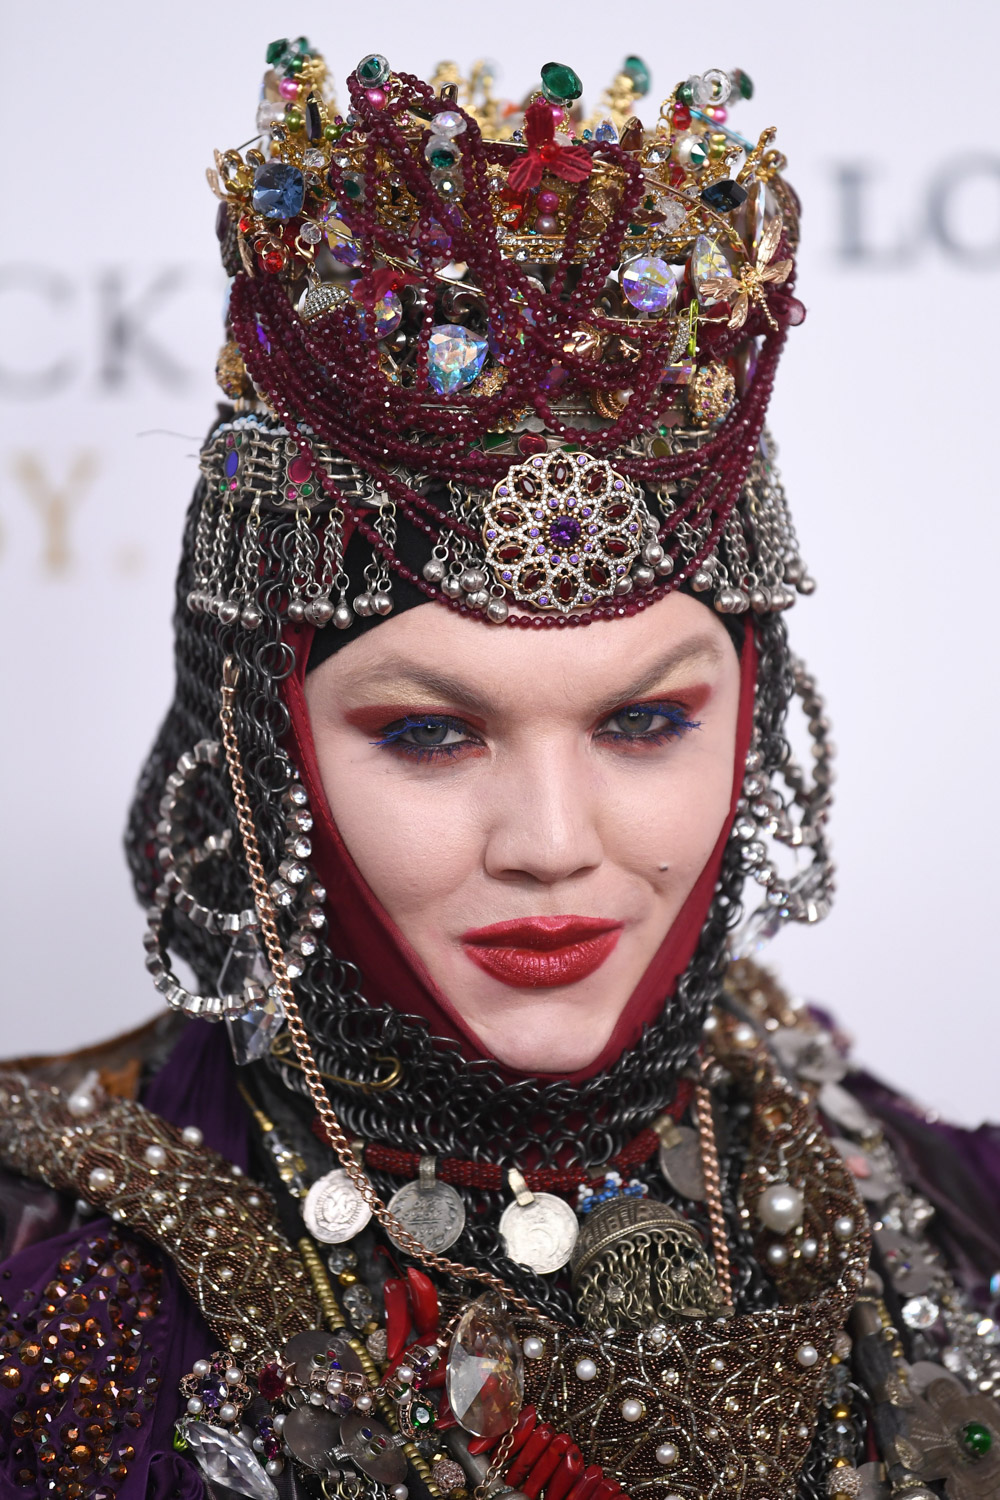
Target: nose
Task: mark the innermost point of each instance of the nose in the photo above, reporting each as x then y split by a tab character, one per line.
542	821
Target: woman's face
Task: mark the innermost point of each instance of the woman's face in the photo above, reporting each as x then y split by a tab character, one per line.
532	807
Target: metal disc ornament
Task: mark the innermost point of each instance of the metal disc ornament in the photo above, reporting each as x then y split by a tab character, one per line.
311	1434
680	1163
433	1215
373	1448
540	1234
334	1210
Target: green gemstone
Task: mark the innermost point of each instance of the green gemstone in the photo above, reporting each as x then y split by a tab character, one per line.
421	1416
493	440
637	229
442	159
977	1439
699	155
305	490
352	187
560	84
639	74
277	51
684	94
373	70
745	84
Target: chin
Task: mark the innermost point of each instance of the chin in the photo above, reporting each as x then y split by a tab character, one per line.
559	1043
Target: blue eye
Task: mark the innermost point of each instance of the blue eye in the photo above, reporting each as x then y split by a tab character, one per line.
648	723
424	737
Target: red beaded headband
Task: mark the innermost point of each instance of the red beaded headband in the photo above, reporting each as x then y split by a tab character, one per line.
526	356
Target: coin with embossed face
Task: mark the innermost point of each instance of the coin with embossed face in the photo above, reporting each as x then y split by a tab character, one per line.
334	1210
540	1234
433	1215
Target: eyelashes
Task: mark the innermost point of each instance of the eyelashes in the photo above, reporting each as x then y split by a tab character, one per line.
436	737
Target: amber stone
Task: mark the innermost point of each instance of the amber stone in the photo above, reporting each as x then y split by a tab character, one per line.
80	1453
22	1423
77	1303
88	1385
10	1377
31	1351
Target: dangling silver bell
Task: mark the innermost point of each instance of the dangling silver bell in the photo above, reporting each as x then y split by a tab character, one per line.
497	611
643	577
652	553
363	605
250	617
319	612
296	610
478	599
665	566
434	570
473	580
381	603
623	586
760	600
229	612
702	581
451	587
343	617
194	601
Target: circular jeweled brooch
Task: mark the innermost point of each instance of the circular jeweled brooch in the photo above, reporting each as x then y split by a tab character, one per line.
562	529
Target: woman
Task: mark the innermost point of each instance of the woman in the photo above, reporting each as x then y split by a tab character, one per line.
503	1174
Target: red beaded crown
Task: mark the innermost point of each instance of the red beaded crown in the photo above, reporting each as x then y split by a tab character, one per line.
522	356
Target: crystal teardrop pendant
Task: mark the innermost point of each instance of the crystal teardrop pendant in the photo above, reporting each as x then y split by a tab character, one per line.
485	1376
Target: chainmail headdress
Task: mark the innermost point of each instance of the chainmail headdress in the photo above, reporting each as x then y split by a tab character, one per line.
516	361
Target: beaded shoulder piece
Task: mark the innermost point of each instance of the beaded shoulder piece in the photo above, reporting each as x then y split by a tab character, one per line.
525	355
217	1226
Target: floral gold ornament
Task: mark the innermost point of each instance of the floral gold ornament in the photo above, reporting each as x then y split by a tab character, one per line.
562	530
750	285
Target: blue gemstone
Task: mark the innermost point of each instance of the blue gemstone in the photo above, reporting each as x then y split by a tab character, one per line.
232	463
278	190
454	357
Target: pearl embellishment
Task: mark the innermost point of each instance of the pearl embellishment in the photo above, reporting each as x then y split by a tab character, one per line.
780	1207
586	1369
633	1410
533	1347
666	1454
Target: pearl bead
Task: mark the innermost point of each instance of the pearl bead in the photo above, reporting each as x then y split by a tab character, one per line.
81	1103
155	1156
777	1255
99	1179
233	1375
399	1492
274	1467
807	1355
810	1249
192	1136
633	1410
533	1347
585	1369
405	1373
780	1207
227	1412
201	1368
666	1454
363	1403
278	1422
718	1365
196	1406
843	1227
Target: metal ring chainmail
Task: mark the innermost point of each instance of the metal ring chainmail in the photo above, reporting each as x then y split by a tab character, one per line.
442	1103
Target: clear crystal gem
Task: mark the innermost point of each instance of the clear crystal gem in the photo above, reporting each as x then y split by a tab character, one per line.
650	284
708	260
252	1031
485	1377
920	1312
225	1458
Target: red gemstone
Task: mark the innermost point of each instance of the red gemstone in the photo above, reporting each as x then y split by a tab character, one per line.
271	1382
274	262
681	117
300	469
530	443
559	473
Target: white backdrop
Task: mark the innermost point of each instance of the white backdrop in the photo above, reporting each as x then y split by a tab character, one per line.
110	296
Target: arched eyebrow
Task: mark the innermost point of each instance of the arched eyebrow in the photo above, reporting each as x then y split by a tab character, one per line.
400	674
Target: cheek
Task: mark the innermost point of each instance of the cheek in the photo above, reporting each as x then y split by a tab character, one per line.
409	844
673	816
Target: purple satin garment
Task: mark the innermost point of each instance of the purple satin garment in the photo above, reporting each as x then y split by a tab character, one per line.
196	1087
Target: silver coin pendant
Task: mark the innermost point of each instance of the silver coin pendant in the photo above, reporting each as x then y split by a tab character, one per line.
680	1163
334	1210
540	1234
435	1216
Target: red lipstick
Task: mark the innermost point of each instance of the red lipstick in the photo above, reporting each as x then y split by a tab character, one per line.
542	952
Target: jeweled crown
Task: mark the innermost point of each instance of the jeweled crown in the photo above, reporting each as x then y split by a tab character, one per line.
525	353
